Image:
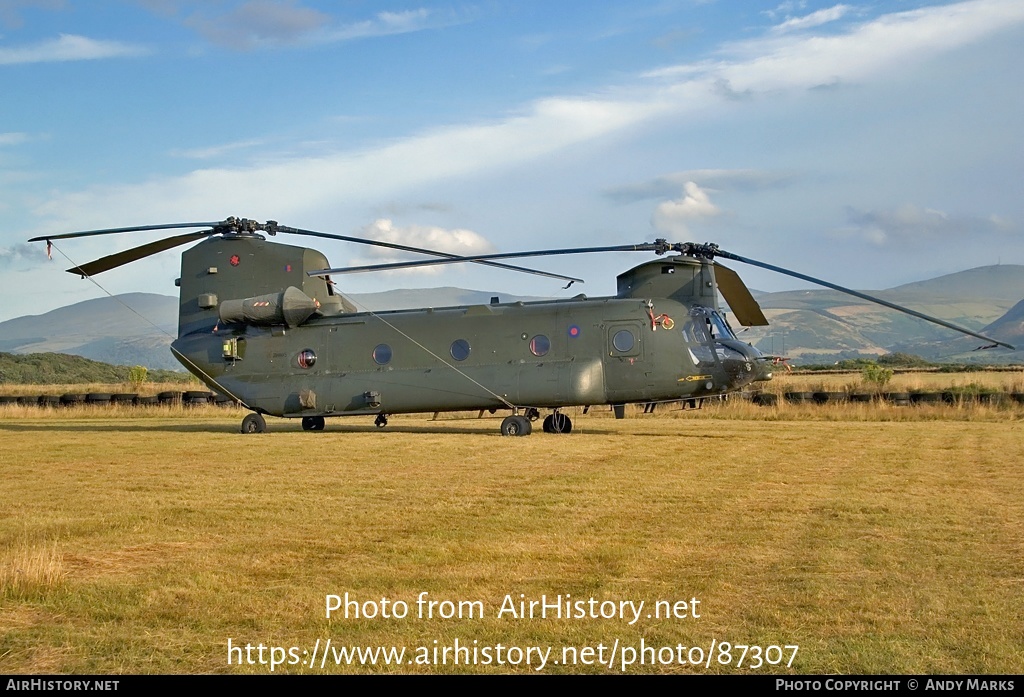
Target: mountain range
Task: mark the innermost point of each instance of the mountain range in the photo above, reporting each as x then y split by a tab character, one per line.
807	325
815	325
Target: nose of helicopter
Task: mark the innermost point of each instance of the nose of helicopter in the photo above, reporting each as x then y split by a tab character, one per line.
743	364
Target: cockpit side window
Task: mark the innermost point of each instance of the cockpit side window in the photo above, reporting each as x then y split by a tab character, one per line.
721	329
697	331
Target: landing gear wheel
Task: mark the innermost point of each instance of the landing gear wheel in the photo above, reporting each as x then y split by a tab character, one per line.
557	423
532	413
516	426
313	423
381	421
254	423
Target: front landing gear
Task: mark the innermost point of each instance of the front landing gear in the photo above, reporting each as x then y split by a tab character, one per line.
313	423
381	421
516	425
254	423
557	423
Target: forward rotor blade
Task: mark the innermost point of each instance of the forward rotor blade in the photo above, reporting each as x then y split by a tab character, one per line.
657	247
863	296
135	253
116	230
419	250
741	302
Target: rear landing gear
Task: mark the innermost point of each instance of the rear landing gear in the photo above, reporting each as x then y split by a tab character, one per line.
381	421
313	423
516	425
254	423
557	423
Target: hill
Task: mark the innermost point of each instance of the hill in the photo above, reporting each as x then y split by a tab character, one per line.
103	329
814	324
62	369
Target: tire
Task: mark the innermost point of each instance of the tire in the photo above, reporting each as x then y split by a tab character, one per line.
900	399
557	423
169	397
313	423
516	426
254	423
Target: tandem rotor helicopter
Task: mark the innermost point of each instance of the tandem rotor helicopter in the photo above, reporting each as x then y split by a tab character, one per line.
263	323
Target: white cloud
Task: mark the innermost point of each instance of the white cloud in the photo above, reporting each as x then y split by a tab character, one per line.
215	151
14	138
68	47
675	216
18	253
272	23
719	179
799	61
785	9
910	224
460	242
812	20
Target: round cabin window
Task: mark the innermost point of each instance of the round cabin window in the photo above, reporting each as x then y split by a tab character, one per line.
540	345
460	349
623	341
382	354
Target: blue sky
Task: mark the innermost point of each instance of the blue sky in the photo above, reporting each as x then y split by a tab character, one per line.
871	144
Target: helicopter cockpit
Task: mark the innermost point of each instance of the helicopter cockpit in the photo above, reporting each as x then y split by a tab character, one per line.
711	342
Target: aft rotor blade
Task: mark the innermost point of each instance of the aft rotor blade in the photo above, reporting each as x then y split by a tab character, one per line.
741	302
116	230
135	253
863	296
419	250
657	247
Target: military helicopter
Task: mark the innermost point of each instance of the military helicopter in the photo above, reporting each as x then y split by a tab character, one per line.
263	323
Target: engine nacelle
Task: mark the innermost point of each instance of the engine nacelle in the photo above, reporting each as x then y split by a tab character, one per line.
290	308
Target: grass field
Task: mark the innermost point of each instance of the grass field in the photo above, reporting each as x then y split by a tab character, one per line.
885	541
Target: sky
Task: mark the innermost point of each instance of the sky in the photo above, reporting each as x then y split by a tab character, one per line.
870	144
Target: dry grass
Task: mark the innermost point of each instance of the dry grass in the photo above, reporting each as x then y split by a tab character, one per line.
876	546
28	570
149	388
106	411
1008	381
